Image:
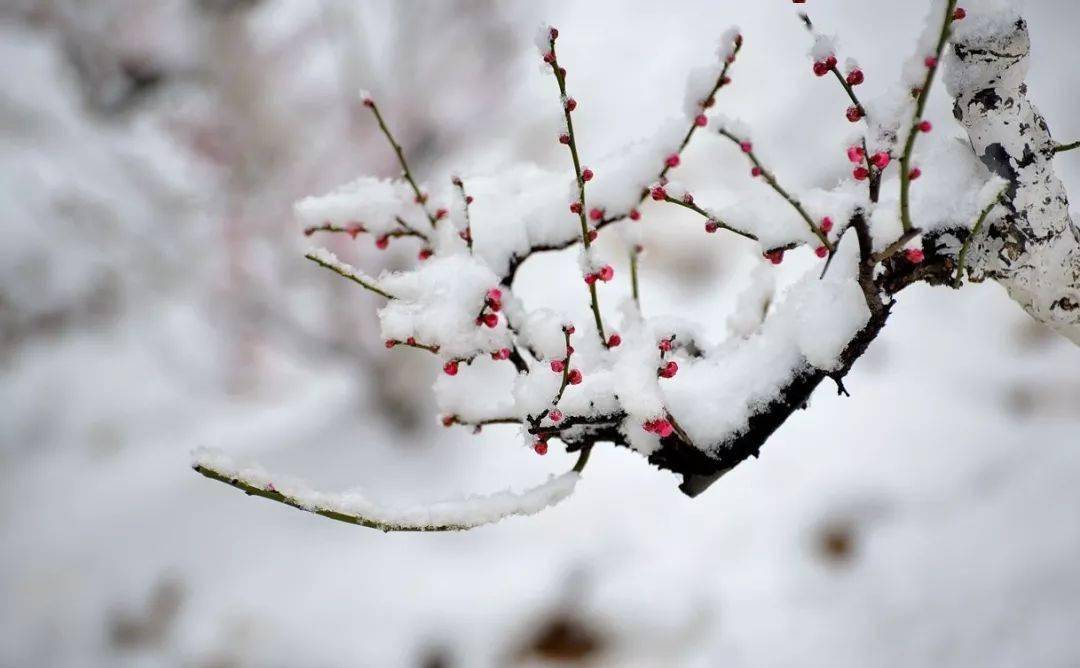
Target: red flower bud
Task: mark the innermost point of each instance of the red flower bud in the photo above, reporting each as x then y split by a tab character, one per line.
914	173
826	225
450	368
574	377
596	213
658	193
672	160
701	120
855	77
669	370
614	340
635	214
564	138
821	251
860	173
606	273
558	365
556	415
540	447
586	174
746	146
925	126
959	14
914	255
853	113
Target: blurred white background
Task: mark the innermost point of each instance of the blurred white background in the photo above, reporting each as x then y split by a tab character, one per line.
154	298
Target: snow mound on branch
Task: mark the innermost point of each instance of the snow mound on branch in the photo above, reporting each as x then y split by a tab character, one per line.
457	514
776	224
438	303
701	80
480	391
374	203
714	398
623	175
953	190
519	208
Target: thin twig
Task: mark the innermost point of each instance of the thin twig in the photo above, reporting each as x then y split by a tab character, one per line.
709	216
961	259
920	107
775	185
560	78
465	201
1061	148
421	198
342	269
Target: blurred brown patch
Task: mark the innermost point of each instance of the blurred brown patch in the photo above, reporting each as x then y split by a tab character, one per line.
563	638
836	542
149	628
1032	335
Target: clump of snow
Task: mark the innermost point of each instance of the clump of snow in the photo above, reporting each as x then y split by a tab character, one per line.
520	208
374	203
754	301
728	43
823	47
480	391
457	514
624	174
542	38
990	25
438	303
714	397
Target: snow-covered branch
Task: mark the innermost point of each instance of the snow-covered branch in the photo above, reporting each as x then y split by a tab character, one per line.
1033	249
354	508
668	390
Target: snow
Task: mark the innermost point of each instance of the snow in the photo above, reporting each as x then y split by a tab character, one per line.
438	303
374	203
714	397
623	174
457	514
823	47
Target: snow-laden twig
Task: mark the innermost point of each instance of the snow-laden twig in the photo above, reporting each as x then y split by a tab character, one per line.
325	258
922	94
354	508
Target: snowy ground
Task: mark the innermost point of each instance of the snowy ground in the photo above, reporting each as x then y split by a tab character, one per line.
933	518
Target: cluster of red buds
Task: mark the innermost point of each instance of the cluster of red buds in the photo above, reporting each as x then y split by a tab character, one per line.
605	274
489	312
823	67
573	376
878	161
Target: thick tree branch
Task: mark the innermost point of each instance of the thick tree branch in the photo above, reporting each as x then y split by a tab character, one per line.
1033	250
